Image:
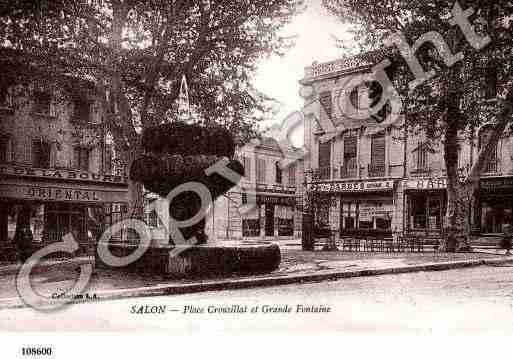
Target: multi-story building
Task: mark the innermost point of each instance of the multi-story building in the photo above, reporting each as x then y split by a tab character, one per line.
267	202
56	165
377	176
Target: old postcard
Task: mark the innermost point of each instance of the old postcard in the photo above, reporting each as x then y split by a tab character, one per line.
255	166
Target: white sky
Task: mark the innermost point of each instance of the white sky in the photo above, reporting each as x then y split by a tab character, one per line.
278	76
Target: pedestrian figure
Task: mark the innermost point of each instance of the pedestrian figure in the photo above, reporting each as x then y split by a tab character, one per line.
23	239
506	241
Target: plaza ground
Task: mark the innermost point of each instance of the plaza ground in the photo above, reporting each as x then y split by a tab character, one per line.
478	299
58	277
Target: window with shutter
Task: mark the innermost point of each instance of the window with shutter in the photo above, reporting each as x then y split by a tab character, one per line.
279	172
247	167
41	152
350	153
492	161
81	158
421	156
292	175
261	170
81	111
107	160
324	159
4	149
377	165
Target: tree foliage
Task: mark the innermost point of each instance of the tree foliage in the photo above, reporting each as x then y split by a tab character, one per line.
462	96
135	53
139	50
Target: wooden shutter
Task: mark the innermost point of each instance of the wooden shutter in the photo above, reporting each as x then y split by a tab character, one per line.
107	159
292	175
247	167
84	159
378	150
261	170
324	154
36	153
350	146
4	149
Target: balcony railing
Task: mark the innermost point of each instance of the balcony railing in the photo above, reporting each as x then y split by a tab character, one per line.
421	171
348	172
492	167
376	170
322	173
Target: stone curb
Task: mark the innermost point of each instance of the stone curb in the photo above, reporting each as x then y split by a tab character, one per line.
243	283
14	268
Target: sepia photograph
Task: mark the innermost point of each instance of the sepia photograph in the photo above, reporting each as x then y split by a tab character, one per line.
255	166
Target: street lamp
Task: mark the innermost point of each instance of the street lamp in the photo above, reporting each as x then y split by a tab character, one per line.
307	238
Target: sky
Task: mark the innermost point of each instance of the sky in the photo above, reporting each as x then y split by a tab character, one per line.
278	76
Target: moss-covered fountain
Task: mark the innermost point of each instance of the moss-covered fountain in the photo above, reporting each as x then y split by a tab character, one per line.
178	154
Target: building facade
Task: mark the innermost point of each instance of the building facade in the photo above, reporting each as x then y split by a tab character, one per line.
378	176
267	202
57	170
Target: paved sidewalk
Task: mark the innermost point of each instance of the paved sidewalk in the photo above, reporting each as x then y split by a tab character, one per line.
297	266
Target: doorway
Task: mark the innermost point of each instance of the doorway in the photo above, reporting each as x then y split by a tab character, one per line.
269	220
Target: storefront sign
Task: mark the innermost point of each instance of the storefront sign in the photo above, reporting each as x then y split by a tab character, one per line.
60	174
497	184
276	200
426	183
360	186
62	194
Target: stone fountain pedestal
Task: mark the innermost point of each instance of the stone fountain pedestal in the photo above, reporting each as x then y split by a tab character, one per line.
215	259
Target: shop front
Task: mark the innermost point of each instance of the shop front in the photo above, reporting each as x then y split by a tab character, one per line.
496	204
350	207
48	204
425	205
273	216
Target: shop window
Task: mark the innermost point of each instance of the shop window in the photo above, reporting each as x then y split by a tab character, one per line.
292	175
261	170
426	213
279	172
81	111
365	220
247	167
41	152
81	158
250	227
42	102
348	214
322	214
495	213
60	219
285	227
